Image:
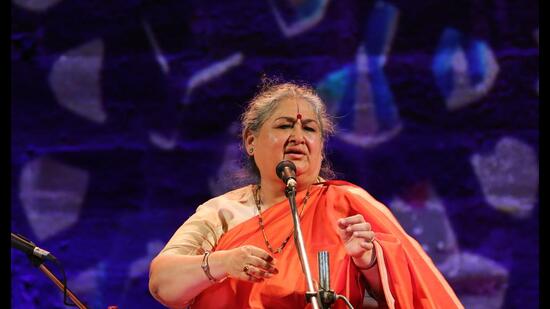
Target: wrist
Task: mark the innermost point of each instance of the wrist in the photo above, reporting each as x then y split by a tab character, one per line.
367	261
219	271
215	266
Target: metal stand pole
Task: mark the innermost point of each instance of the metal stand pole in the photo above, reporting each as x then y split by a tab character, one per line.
311	294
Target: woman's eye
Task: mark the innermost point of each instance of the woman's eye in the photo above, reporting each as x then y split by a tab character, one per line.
285	126
310	129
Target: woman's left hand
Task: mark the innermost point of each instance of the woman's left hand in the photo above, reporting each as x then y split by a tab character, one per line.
357	236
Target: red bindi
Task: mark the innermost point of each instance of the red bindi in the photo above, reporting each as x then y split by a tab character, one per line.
299	116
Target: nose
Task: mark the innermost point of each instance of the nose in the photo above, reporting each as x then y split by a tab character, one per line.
297	134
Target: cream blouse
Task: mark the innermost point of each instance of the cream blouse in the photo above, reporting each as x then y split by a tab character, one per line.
211	220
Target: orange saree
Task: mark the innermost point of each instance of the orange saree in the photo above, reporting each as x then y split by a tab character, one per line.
409	278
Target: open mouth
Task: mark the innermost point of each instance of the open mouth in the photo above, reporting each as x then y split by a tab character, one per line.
294	153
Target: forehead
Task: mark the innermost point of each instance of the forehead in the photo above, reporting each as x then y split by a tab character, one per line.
291	106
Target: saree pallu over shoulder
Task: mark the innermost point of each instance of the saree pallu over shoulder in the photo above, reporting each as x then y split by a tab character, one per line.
409	278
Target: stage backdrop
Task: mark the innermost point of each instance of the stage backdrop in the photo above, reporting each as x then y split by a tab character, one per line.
125	119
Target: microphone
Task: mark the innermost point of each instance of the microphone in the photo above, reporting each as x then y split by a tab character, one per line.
286	170
29	248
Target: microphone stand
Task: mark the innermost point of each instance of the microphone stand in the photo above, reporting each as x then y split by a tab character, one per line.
325	297
52	277
311	294
39	262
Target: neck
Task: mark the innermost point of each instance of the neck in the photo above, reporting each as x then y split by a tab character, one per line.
273	191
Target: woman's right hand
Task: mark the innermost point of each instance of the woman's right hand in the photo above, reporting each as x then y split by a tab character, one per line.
249	263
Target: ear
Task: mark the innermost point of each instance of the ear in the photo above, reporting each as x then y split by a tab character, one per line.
249	140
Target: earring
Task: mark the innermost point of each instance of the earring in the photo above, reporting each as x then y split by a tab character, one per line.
251	151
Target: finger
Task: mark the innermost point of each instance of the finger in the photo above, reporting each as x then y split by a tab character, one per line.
258	272
367	245
344	222
263	264
365	226
366	235
262	254
251	278
245	274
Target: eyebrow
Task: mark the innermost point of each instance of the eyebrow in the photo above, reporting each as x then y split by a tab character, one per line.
290	119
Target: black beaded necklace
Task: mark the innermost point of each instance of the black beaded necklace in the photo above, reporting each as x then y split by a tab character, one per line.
258	201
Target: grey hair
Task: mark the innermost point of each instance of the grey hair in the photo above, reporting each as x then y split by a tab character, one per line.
262	106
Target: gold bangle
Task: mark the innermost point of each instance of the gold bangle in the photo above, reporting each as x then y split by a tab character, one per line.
206	268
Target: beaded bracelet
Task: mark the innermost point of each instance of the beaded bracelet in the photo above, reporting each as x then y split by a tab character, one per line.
206	268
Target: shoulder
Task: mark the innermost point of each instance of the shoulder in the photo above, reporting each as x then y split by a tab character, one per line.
356	192
345	187
235	197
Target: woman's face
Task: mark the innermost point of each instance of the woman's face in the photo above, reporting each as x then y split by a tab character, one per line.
292	133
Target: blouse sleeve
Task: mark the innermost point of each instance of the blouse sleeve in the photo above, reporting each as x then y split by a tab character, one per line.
198	234
202	231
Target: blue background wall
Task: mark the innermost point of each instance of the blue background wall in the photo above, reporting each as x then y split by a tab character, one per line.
123	122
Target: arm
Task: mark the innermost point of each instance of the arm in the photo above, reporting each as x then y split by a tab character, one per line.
358	239
175	279
371	274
